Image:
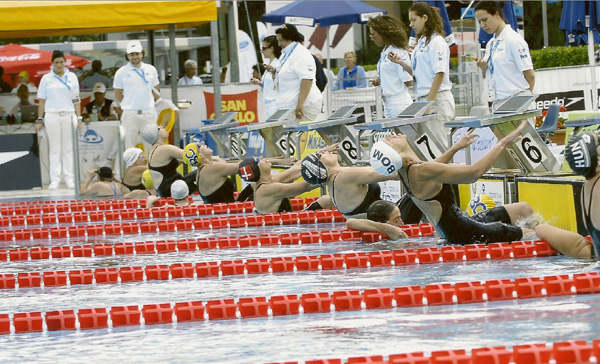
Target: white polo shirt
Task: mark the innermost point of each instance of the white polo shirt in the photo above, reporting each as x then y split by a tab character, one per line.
269	94
508	57
137	85
428	60
59	92
186	81
296	64
392	76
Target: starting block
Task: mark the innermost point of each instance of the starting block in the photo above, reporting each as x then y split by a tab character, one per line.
272	131
530	154
336	130
412	123
217	131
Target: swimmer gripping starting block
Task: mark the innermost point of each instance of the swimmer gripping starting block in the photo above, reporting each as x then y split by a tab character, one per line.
217	130
412	123
336	130
276	139
530	154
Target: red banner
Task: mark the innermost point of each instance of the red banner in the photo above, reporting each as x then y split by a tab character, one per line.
246	103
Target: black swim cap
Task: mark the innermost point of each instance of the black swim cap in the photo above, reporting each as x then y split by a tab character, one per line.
313	170
105	173
249	170
582	155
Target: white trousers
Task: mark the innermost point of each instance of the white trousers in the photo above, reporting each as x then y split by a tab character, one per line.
394	105
444	109
60	141
133	123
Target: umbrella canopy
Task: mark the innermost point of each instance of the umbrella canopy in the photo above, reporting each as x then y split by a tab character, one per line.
15	58
572	21
509	16
441	5
324	13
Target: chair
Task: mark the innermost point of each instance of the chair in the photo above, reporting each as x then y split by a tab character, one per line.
550	122
167	118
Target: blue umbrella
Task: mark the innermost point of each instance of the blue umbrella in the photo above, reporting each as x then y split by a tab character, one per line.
440	4
324	13
509	16
572	21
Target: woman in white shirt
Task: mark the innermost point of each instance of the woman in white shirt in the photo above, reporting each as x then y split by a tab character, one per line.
431	66
295	78
507	64
271	51
58	107
393	68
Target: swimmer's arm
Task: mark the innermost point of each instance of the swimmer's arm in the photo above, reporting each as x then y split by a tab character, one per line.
174	152
223	168
151	200
363	175
392	231
286	190
456	174
464	142
85	187
568	243
289	175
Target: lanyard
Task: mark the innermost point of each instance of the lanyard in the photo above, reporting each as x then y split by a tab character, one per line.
141	74
350	83
64	82
416	52
286	57
492	51
381	59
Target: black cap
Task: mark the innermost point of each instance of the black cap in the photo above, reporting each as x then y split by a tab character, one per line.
249	170
105	173
582	155
313	170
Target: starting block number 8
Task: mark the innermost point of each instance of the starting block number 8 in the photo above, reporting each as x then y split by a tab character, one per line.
348	147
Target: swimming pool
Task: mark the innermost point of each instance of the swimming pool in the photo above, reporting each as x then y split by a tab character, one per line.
296	337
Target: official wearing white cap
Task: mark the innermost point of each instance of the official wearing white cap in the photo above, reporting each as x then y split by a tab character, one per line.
134	85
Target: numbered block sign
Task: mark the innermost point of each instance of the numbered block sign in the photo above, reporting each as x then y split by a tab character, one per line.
427	147
531	150
348	147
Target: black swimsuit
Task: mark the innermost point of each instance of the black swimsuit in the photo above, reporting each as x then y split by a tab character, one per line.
457	227
373	194
284	206
595	233
223	194
170	175
133	188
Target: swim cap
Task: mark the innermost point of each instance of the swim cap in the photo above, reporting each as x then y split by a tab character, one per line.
313	170
105	173
179	189
147	179
150	133
191	155
385	160
131	155
582	156
249	170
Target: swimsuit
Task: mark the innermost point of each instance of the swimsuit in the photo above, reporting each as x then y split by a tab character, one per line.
223	194
170	175
136	187
595	233
373	194
489	226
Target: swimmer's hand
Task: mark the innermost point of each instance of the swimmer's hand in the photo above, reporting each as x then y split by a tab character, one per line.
515	135
466	140
395	232
330	148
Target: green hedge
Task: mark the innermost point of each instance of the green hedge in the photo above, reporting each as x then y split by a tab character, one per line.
559	57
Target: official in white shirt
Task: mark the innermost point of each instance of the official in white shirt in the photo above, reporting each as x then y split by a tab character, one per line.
431	66
295	79
134	86
394	68
190	79
59	106
507	63
271	52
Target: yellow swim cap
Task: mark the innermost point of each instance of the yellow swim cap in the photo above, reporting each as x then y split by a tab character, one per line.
480	203
147	179
191	155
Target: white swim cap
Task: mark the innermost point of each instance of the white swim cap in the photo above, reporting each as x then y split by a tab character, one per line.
179	190
150	133
385	160
131	155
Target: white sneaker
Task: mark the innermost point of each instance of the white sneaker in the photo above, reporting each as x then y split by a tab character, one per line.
70	185
54	186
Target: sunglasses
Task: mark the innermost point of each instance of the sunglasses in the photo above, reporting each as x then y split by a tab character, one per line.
264	48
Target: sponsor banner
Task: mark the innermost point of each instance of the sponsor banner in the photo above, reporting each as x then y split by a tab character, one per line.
572	100
246	103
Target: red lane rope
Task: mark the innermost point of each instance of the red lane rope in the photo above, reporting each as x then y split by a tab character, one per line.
318	302
184	245
338	261
562	352
166	225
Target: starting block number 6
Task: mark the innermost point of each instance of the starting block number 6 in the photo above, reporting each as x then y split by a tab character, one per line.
532	152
